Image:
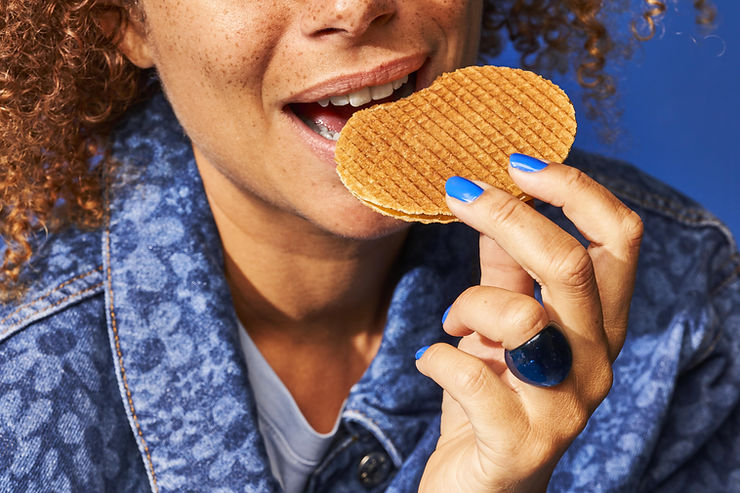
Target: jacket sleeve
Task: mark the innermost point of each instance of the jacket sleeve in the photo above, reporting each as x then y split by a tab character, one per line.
698	448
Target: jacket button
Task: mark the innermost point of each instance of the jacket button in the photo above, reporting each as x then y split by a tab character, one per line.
373	469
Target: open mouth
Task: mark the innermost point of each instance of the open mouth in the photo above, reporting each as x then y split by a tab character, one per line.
328	116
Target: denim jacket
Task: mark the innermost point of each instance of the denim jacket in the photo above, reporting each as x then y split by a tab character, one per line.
120	370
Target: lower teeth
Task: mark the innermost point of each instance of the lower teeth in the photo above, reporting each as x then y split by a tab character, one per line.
322	130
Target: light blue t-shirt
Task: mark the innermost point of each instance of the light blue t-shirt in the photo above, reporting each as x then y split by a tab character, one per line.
293	446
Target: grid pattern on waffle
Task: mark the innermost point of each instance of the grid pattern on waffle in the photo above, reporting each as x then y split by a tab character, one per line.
397	156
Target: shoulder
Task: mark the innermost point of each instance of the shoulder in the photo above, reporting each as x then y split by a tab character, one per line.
63	422
675	380
65	270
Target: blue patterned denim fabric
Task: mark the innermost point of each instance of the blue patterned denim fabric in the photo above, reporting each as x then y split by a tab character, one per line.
120	370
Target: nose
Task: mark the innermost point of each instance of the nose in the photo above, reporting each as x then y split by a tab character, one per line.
349	18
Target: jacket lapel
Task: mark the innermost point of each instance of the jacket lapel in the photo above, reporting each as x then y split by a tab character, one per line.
170	317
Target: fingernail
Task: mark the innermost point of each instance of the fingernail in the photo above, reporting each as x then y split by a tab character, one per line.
462	189
526	163
444	317
420	352
544	360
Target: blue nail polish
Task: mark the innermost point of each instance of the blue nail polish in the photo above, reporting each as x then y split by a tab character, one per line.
526	163
444	317
462	189
420	352
544	360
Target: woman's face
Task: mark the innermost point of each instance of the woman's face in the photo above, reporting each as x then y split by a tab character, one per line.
249	80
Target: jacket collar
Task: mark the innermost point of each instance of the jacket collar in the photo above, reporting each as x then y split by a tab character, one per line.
173	328
170	315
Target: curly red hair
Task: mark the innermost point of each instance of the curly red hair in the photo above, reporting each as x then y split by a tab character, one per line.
63	84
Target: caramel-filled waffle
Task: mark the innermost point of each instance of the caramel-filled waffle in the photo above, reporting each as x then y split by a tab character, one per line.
395	157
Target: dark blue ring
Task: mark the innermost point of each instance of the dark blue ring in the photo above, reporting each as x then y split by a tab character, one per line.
544	360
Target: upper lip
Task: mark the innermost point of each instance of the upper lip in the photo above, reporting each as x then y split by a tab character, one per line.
344	84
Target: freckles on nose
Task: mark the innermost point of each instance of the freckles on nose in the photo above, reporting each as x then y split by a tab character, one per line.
349	17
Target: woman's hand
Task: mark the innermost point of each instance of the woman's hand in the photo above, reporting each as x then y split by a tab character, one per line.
499	433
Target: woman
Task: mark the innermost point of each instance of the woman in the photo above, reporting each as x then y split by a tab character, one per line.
139	355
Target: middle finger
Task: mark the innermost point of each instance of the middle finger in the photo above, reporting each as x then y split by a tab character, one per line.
556	260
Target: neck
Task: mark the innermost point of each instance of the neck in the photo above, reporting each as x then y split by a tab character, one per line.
293	282
312	302
295	285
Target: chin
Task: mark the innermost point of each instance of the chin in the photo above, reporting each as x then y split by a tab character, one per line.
361	223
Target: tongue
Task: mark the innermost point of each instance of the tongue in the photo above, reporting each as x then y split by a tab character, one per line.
332	117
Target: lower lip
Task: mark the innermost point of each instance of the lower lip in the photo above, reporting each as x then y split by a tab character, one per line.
323	148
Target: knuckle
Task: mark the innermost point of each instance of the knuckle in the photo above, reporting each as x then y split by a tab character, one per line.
473	380
464	302
552	437
576	179
607	381
601	386
552	441
555	438
432	351
467	296
506	211
575	269
633	227
542	452
524	316
576	414
580	414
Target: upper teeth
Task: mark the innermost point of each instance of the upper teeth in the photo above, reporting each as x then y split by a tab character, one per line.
366	94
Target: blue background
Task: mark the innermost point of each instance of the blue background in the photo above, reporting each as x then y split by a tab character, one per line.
680	102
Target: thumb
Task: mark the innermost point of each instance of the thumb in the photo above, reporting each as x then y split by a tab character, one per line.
478	390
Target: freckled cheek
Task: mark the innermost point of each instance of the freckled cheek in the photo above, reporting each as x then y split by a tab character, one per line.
461	21
214	56
217	66
456	15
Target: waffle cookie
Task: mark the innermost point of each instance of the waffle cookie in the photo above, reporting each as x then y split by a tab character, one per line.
395	157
